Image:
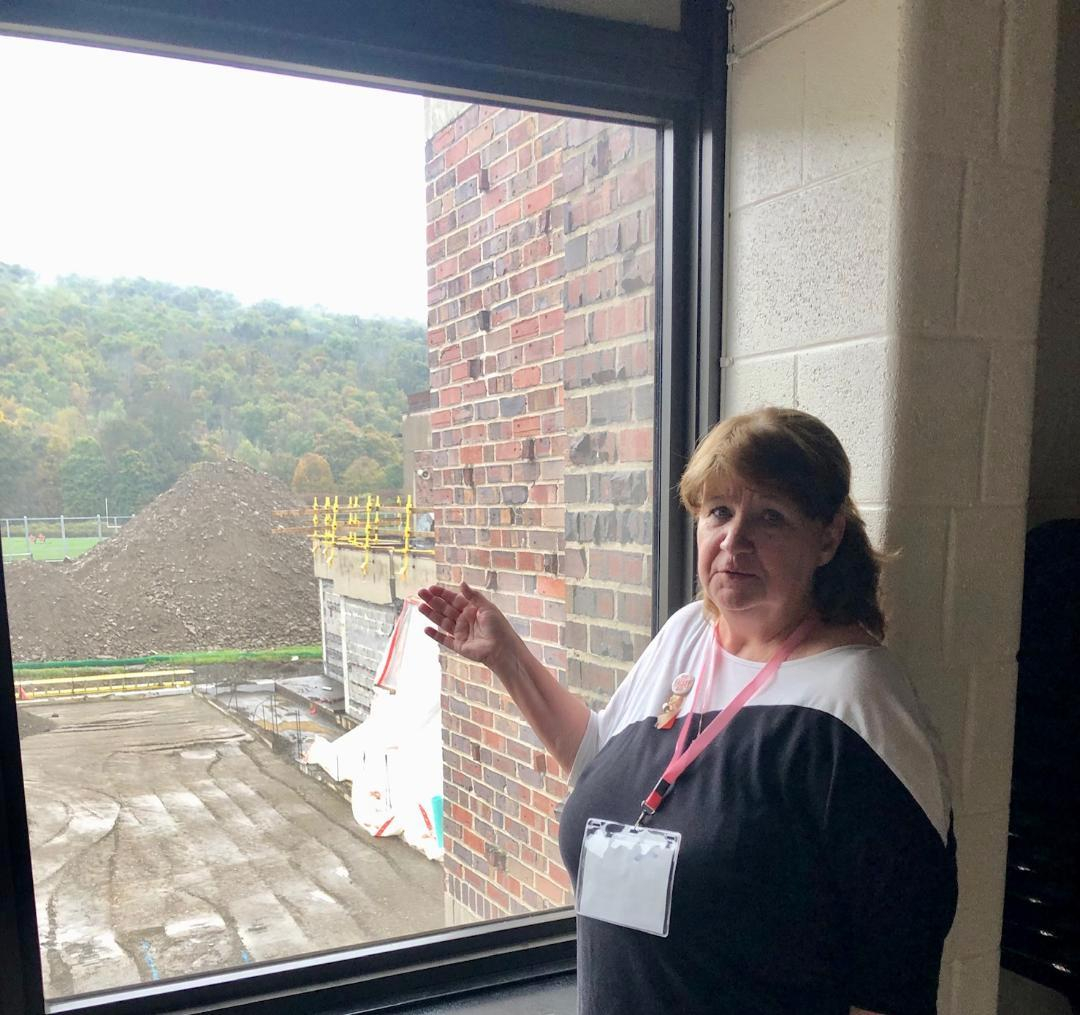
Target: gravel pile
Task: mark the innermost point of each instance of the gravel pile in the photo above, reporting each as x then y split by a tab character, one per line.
198	568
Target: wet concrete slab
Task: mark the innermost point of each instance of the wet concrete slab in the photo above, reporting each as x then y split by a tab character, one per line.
167	841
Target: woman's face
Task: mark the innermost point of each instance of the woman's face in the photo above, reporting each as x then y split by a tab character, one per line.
757	552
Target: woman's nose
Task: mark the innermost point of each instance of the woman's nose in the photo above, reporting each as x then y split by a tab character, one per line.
736	535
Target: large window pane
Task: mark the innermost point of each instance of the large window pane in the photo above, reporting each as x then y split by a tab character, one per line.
237	747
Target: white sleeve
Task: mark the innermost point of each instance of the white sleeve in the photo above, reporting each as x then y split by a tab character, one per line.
587	749
633	698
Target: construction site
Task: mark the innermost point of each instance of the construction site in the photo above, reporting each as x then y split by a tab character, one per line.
178	820
239	745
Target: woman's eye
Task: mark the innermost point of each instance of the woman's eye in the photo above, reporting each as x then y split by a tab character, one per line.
720	513
770	517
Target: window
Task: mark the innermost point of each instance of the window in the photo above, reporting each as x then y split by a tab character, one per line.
549	323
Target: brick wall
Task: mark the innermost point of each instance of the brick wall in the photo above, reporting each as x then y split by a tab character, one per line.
541	308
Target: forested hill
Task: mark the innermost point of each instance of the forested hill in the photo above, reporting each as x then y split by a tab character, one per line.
112	389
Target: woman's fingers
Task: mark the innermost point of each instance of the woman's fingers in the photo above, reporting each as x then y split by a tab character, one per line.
437	617
437	606
440	636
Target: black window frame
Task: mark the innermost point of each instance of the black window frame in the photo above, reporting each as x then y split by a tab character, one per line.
471	50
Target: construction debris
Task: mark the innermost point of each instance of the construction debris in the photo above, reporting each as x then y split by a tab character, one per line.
199	568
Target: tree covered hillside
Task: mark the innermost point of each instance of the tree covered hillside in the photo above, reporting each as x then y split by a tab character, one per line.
112	389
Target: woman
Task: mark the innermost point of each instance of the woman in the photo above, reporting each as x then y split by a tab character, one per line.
815	866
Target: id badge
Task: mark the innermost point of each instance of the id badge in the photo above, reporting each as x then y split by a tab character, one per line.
626	875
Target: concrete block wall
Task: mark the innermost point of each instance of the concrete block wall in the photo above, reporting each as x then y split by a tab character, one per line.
366	629
1055	470
330	603
361	595
541	358
887	200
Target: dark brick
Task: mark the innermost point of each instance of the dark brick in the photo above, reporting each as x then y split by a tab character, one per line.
592	449
611	642
644	402
611	407
576	253
576	489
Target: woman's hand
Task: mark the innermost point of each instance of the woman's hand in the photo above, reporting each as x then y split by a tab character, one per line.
468	623
471	625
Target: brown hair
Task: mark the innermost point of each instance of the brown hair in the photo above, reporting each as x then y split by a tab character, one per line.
796	455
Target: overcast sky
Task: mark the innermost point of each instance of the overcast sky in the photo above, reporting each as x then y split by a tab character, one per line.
266	186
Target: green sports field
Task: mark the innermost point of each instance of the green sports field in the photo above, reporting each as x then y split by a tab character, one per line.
51	549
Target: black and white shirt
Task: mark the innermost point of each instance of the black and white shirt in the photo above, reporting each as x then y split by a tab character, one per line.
817	869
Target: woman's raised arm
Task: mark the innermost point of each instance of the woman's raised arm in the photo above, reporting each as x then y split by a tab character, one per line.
469	624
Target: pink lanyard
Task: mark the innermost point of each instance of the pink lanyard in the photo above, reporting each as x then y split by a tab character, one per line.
685	756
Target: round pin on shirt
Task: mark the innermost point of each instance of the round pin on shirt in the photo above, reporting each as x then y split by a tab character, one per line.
682	684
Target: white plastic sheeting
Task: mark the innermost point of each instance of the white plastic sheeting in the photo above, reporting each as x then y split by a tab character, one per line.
394	757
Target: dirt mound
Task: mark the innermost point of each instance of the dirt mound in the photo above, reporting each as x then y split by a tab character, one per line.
198	568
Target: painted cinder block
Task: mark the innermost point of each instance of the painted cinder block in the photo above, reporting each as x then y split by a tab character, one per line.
948	68
914	585
982	842
848	386
1027	82
751	384
851	54
986	769
939	405
765	122
926	212
973	986
1001	247
753	21
812	266
874	517
1007	447
984	583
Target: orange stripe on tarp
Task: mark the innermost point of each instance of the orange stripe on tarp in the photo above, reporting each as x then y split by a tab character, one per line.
427	820
383	827
398	625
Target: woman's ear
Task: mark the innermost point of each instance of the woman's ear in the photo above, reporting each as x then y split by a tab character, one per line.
831	537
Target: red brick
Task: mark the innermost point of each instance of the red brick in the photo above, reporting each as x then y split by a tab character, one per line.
530	607
522	131
551	320
526	426
524	329
538	199
635	445
443	139
456	152
549	586
502	170
526	377
507	214
491	199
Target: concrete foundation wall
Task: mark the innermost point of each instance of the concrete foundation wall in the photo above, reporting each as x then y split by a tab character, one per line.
361	597
887	198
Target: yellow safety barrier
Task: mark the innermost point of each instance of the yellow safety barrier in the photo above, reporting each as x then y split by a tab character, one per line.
101	683
334	525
